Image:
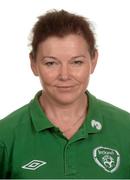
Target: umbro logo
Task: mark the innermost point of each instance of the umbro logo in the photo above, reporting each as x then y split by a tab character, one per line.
33	165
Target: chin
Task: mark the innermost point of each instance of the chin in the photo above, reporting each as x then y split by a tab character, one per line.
64	96
66	99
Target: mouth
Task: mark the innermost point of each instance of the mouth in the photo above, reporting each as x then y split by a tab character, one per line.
65	88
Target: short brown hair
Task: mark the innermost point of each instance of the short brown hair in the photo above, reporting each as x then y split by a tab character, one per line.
61	23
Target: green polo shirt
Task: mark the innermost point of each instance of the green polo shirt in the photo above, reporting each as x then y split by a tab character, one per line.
32	147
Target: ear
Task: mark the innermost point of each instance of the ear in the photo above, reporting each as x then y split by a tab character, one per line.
94	61
33	65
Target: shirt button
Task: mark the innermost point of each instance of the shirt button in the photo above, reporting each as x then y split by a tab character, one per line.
68	147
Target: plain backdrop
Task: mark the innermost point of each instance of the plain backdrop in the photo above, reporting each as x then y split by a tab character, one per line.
111	80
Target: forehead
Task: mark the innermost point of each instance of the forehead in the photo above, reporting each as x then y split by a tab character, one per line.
70	43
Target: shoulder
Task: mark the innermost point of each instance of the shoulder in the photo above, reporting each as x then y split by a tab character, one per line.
110	109
114	115
110	113
13	121
106	107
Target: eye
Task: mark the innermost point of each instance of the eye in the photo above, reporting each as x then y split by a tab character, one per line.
51	63
77	62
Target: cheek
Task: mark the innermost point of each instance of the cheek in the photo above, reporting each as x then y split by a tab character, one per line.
47	77
83	75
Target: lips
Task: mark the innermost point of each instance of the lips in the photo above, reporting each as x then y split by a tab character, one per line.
65	88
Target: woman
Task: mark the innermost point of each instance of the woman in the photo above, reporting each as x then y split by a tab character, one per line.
64	132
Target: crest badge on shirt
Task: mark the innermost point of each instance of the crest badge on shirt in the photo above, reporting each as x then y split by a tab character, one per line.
107	158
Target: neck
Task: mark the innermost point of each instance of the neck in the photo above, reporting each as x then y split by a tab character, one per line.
66	113
67	118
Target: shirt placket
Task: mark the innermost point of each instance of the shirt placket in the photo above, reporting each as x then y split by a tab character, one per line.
69	159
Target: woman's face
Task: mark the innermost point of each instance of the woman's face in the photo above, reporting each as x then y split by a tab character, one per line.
64	66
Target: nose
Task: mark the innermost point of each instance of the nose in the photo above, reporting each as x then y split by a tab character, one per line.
64	72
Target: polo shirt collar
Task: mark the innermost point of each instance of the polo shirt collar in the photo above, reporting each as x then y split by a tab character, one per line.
39	119
94	121
92	124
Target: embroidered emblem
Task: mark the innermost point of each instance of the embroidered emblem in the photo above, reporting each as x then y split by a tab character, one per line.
96	124
107	158
33	165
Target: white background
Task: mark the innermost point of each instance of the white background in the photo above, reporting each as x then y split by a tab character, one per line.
111	18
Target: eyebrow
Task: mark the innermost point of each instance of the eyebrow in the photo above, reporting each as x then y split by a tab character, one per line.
48	57
79	56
